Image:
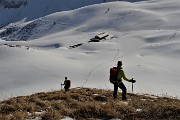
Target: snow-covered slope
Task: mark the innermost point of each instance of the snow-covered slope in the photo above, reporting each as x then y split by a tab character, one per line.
38	54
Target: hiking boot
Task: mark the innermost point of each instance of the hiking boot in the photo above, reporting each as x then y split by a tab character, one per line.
124	98
115	97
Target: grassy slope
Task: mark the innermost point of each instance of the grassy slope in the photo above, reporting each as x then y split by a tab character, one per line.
85	103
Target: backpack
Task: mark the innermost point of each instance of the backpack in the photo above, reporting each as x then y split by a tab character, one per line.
68	84
113	74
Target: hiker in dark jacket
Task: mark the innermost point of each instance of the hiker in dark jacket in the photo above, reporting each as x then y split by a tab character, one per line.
67	84
119	83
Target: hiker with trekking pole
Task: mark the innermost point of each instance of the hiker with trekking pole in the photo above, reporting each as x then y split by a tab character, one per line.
67	84
116	76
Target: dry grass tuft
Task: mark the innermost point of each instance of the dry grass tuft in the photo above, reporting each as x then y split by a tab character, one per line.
52	115
19	115
6	108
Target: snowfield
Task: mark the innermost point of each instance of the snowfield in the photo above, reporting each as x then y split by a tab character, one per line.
36	53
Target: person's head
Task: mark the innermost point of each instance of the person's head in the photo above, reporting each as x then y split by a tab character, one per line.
119	63
65	78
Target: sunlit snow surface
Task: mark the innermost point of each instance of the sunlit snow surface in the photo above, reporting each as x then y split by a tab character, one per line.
144	35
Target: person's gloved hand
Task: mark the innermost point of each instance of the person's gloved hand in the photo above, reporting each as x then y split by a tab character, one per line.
132	80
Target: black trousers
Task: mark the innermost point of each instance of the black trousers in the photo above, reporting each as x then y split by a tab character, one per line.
66	87
122	87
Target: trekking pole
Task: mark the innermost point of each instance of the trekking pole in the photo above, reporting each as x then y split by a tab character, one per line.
132	87
61	86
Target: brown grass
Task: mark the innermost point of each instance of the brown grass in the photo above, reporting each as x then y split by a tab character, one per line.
85	103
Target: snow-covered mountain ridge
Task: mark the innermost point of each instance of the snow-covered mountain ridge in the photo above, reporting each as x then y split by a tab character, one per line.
36	55
33	9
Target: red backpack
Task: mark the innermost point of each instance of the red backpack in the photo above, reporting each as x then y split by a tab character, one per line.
113	74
